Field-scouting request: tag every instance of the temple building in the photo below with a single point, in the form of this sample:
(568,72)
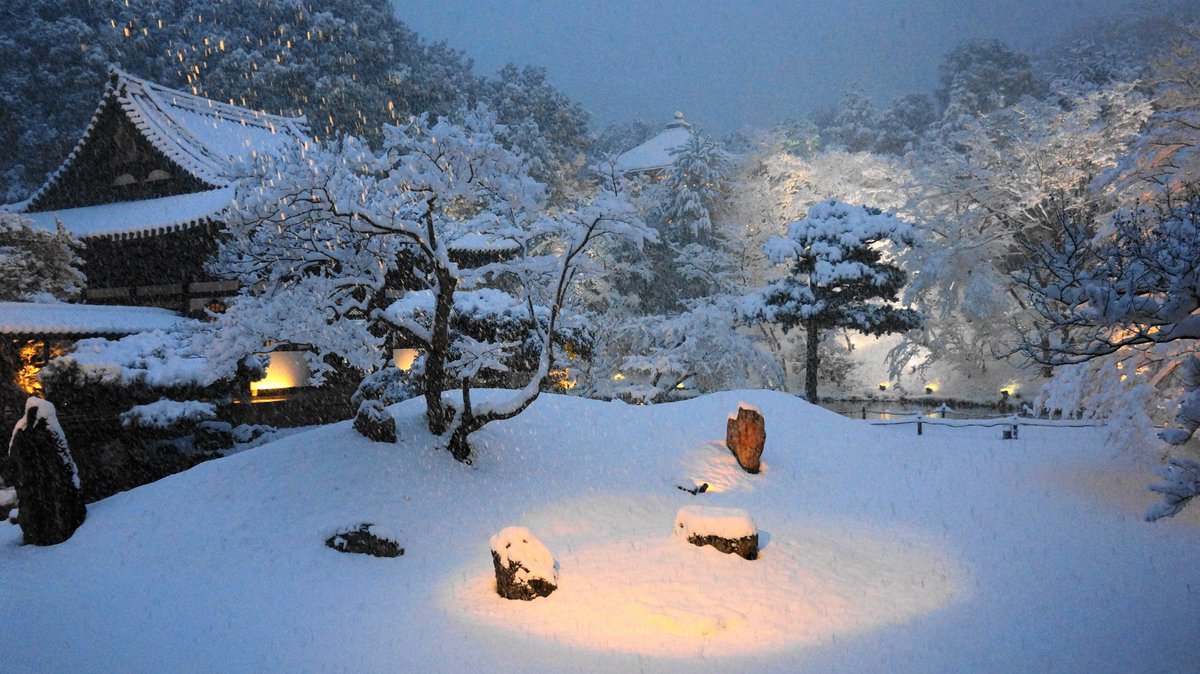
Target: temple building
(146,187)
(147,190)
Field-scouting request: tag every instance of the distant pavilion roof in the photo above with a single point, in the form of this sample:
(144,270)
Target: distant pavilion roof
(82,320)
(655,154)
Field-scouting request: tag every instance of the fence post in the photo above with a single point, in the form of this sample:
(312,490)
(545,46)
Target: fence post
(920,424)
(864,412)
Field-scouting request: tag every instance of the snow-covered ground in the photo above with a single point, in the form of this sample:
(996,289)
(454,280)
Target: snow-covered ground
(880,551)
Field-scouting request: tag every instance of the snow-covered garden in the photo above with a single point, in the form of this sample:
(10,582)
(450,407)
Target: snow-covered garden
(323,351)
(879,551)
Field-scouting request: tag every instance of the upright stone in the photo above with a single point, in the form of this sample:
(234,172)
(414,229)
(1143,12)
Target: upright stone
(745,435)
(525,569)
(40,467)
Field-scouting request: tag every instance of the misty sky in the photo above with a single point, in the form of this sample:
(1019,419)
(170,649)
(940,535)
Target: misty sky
(728,64)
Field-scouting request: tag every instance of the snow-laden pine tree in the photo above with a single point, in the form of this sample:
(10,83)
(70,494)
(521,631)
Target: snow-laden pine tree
(838,277)
(36,265)
(320,232)
(774,184)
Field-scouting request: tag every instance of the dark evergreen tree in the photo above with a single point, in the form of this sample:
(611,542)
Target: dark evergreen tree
(978,77)
(548,127)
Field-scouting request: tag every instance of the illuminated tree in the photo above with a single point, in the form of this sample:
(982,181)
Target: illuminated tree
(838,278)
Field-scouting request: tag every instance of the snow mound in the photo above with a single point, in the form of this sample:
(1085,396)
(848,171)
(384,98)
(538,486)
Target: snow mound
(165,413)
(880,551)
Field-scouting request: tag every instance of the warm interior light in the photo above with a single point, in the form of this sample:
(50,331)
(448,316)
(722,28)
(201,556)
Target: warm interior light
(618,376)
(1005,392)
(883,386)
(404,358)
(31,364)
(929,388)
(560,379)
(285,369)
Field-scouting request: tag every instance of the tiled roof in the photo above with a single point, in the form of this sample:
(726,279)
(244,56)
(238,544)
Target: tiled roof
(144,217)
(204,137)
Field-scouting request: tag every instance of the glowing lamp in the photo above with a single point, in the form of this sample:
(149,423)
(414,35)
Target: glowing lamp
(404,358)
(883,387)
(929,389)
(1005,392)
(285,369)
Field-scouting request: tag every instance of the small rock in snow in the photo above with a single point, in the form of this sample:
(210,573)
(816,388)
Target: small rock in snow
(525,569)
(729,530)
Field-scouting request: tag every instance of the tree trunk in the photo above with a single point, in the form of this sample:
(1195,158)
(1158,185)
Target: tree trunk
(436,412)
(812,361)
(1046,370)
(459,446)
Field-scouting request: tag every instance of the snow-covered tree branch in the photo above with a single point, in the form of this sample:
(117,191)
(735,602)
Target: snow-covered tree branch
(320,234)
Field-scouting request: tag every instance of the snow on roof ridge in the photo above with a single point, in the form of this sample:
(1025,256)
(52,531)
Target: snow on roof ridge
(131,217)
(183,99)
(150,106)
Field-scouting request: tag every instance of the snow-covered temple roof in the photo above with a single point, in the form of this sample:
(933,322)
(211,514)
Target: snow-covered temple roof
(655,154)
(144,216)
(29,318)
(204,137)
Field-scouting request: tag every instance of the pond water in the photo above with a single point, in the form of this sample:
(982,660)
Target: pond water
(892,409)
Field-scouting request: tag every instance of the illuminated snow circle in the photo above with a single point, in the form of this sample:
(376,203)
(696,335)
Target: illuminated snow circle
(626,584)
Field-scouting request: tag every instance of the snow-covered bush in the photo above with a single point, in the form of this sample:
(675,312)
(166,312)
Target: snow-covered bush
(390,385)
(168,415)
(373,421)
(145,396)
(36,265)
